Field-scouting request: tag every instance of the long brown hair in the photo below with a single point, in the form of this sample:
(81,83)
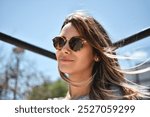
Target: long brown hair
(109,81)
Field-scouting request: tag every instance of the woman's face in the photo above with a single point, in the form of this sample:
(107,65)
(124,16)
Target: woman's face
(72,62)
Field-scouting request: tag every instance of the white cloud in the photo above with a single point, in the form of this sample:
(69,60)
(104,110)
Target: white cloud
(139,54)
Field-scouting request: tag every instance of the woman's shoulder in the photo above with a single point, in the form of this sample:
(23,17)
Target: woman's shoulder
(117,91)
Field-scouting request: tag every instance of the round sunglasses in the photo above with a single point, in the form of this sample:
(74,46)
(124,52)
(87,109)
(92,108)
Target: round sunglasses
(75,43)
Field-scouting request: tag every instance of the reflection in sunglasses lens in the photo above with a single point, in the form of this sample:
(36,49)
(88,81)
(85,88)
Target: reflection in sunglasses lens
(75,44)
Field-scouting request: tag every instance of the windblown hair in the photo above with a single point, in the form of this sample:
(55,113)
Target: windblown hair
(109,81)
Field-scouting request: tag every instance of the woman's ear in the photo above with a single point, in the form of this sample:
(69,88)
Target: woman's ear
(97,59)
(96,56)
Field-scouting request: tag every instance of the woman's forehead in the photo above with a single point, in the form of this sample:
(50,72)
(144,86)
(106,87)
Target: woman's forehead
(68,31)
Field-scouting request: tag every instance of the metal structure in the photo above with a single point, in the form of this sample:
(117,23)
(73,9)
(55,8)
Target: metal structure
(13,74)
(17,42)
(133,38)
(121,43)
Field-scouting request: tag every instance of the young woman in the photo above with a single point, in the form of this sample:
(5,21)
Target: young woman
(87,61)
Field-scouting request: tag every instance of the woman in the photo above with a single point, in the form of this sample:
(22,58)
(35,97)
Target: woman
(86,60)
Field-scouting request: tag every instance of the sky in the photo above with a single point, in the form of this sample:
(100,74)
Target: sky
(38,21)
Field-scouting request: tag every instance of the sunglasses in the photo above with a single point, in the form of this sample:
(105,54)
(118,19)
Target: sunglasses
(75,43)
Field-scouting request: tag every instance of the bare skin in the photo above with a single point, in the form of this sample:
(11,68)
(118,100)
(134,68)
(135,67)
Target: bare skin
(78,65)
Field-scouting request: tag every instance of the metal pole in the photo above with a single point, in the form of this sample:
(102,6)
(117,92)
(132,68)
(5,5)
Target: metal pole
(25,45)
(133,38)
(121,43)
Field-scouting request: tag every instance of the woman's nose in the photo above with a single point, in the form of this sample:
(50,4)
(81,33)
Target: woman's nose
(66,49)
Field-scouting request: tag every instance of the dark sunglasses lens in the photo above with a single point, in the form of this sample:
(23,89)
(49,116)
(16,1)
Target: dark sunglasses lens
(75,43)
(58,43)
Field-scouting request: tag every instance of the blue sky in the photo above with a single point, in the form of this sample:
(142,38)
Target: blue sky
(38,21)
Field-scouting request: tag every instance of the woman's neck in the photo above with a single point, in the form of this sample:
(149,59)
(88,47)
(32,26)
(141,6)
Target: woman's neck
(79,86)
(76,92)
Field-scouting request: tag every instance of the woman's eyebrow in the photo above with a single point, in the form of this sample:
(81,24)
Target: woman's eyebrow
(62,36)
(71,37)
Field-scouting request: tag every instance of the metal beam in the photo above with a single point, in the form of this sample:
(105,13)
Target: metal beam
(133,38)
(121,43)
(25,45)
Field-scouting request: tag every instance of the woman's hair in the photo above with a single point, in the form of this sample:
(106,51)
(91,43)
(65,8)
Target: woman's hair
(108,79)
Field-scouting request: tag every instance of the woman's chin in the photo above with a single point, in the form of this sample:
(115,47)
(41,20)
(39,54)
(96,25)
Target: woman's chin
(66,71)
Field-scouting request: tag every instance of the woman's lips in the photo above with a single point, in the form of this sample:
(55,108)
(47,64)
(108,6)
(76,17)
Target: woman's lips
(66,61)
